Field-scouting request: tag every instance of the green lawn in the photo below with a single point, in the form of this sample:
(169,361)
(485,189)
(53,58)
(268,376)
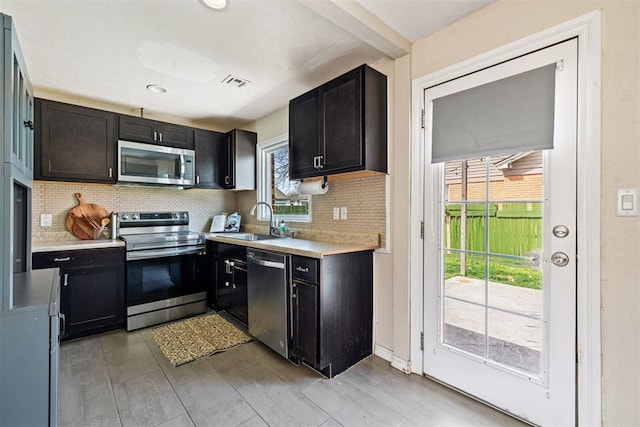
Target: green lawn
(503,271)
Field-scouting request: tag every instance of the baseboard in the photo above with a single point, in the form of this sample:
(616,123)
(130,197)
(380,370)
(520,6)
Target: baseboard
(396,362)
(383,352)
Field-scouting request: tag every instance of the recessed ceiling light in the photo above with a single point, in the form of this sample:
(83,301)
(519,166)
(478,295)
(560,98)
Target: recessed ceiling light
(215,4)
(156,89)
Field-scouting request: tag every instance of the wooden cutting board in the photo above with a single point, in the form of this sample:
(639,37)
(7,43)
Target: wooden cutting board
(85,220)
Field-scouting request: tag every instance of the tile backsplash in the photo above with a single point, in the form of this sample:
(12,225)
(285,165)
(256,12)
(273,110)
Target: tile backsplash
(363,197)
(58,198)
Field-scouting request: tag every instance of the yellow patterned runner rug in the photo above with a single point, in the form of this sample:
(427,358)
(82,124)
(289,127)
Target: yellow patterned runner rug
(197,337)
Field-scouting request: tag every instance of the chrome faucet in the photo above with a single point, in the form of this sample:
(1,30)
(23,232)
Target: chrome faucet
(253,212)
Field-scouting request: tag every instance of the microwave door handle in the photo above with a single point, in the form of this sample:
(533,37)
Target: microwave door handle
(182,166)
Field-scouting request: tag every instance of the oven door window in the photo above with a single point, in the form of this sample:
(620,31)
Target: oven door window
(158,279)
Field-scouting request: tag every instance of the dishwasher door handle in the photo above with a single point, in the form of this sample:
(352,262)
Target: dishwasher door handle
(266,263)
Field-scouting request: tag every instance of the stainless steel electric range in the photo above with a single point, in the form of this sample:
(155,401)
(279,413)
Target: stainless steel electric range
(165,267)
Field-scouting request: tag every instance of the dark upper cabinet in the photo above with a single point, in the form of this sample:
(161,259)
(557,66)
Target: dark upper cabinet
(73,143)
(340,127)
(148,131)
(237,160)
(208,145)
(92,288)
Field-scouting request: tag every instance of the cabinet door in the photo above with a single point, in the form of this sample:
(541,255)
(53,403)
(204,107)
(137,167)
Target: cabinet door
(207,146)
(342,145)
(92,298)
(239,308)
(22,122)
(224,281)
(305,322)
(137,129)
(304,136)
(74,143)
(172,135)
(227,174)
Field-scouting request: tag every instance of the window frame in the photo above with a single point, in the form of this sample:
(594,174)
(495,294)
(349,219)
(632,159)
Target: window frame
(263,187)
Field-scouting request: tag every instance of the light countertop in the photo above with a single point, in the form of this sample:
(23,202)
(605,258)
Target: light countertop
(68,245)
(308,248)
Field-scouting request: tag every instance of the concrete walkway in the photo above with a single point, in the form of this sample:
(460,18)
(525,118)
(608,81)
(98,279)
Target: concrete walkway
(514,320)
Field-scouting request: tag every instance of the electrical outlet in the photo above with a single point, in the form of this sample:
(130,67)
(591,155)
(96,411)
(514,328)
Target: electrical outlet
(46,220)
(343,212)
(336,213)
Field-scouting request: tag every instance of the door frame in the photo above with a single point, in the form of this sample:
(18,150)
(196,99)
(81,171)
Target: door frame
(587,29)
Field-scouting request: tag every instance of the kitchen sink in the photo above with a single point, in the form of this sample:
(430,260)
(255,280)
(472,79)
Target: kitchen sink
(250,237)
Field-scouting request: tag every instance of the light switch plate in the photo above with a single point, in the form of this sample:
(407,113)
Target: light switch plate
(627,201)
(46,220)
(343,212)
(336,213)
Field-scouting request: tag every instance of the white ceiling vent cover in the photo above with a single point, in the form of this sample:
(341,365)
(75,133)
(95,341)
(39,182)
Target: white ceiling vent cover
(236,81)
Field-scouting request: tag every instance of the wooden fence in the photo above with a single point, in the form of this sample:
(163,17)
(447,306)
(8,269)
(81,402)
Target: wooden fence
(514,229)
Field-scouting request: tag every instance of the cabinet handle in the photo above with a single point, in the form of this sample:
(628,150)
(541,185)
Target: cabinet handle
(234,286)
(155,136)
(226,180)
(160,136)
(303,270)
(110,172)
(66,279)
(197,179)
(315,162)
(320,165)
(68,258)
(28,124)
(63,328)
(226,284)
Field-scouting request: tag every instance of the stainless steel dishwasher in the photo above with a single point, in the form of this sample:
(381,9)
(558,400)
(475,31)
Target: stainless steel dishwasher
(267,299)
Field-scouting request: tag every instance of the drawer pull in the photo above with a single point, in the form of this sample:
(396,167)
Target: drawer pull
(68,258)
(302,269)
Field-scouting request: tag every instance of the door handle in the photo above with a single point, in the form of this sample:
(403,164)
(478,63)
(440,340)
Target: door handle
(560,259)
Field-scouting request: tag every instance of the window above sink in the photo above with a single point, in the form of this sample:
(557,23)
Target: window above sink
(274,185)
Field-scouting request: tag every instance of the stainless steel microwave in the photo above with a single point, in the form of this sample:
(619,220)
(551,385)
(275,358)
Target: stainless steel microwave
(155,165)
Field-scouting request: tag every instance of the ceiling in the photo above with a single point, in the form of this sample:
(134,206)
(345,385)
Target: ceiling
(110,50)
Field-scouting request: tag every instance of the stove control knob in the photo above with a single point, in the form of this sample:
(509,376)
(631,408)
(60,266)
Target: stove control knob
(124,217)
(135,216)
(174,215)
(183,215)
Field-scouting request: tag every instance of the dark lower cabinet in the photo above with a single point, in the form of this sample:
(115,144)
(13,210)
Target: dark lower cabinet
(229,285)
(92,288)
(332,307)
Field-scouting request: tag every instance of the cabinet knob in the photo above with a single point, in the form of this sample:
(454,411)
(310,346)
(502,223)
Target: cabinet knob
(226,284)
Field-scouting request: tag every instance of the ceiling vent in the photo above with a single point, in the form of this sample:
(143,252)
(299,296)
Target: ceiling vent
(235,81)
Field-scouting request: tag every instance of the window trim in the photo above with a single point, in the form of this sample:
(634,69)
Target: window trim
(263,193)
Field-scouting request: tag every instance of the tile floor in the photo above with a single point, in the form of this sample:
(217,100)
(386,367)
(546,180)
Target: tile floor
(122,379)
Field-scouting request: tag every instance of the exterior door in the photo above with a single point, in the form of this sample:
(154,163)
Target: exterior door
(500,269)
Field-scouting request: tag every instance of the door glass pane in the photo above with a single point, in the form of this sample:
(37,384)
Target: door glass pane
(473,227)
(492,304)
(464,326)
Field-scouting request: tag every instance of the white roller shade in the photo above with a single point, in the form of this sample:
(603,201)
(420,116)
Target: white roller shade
(510,115)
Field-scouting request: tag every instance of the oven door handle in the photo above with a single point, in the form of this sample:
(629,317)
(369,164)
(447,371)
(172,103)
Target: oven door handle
(160,253)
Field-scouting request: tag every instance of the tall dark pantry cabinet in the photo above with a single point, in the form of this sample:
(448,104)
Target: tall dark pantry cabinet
(29,300)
